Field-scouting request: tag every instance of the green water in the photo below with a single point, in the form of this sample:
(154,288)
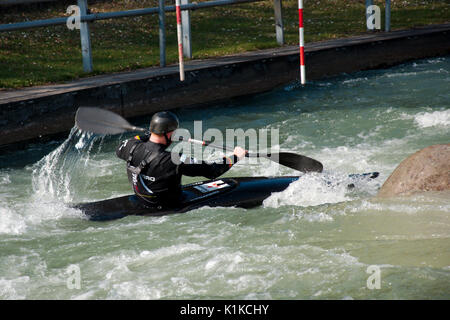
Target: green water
(312,241)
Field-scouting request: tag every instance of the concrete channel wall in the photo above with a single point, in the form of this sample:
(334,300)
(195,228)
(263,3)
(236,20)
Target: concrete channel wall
(36,112)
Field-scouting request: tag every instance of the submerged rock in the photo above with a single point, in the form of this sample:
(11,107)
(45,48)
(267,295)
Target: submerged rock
(425,170)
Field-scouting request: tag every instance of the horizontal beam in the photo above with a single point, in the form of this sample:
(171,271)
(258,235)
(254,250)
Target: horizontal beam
(118,14)
(16,2)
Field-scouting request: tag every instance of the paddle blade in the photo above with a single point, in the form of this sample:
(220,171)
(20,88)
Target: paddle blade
(102,121)
(299,162)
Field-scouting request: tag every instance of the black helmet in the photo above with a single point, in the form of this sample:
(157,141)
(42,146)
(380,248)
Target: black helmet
(163,122)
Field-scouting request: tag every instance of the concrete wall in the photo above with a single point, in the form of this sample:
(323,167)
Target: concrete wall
(36,112)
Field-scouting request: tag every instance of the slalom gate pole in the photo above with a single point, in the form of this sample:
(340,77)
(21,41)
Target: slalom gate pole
(301,42)
(180,39)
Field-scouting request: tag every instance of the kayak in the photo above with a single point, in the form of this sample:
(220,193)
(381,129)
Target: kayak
(242,192)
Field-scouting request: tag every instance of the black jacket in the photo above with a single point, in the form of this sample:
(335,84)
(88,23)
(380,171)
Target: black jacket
(158,180)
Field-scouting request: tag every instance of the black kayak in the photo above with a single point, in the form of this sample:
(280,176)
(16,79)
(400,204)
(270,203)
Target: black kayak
(243,192)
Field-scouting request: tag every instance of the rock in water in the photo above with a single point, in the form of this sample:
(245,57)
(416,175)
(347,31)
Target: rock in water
(425,170)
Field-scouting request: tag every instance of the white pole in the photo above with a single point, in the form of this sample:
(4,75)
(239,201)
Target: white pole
(180,39)
(301,42)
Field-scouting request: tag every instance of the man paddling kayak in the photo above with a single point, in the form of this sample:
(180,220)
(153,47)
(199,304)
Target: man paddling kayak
(154,176)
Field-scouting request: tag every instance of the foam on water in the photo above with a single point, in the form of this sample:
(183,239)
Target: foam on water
(34,215)
(228,272)
(10,289)
(11,222)
(419,73)
(433,119)
(5,179)
(309,190)
(415,204)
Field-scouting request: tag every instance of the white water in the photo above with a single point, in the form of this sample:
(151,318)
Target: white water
(315,240)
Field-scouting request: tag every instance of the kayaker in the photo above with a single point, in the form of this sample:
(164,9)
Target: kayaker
(155,178)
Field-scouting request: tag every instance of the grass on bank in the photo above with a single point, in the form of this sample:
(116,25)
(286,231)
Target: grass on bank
(53,54)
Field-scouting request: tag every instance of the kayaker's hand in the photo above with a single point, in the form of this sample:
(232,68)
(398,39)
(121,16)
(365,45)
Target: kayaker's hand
(239,152)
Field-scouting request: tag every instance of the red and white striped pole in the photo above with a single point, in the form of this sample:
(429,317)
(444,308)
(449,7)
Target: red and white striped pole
(180,39)
(302,42)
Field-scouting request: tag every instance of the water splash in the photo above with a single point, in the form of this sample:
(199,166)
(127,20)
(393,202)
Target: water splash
(55,179)
(56,175)
(309,190)
(314,189)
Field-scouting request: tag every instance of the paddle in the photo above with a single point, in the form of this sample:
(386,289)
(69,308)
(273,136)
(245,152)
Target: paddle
(287,159)
(103,121)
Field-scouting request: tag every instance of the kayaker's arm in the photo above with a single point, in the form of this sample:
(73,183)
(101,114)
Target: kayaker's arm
(193,168)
